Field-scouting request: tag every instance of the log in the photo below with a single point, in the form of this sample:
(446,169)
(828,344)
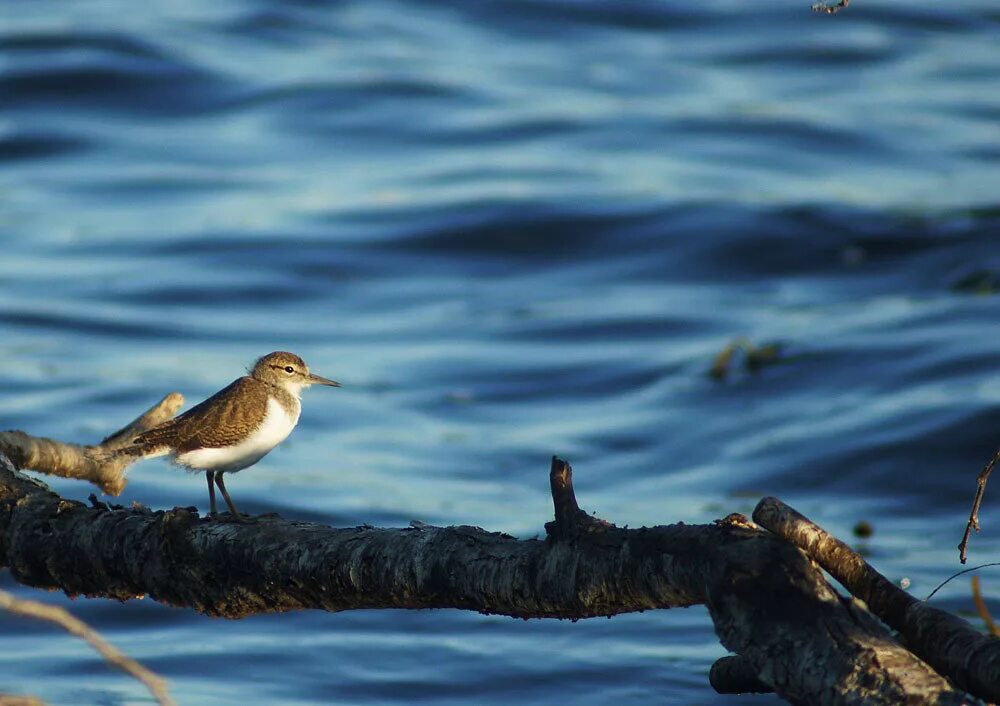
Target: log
(770,603)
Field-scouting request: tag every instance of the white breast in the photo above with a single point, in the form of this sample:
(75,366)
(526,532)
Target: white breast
(275,428)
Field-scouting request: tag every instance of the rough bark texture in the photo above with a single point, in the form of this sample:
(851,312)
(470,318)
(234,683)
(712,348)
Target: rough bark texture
(271,564)
(769,603)
(945,641)
(99,464)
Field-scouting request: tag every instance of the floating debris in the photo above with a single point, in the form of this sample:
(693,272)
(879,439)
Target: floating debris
(978,282)
(863,529)
(723,361)
(754,357)
(830,6)
(767,354)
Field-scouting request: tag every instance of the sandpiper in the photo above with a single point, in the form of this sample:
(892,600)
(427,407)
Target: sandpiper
(238,425)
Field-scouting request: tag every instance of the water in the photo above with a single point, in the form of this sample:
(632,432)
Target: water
(512,230)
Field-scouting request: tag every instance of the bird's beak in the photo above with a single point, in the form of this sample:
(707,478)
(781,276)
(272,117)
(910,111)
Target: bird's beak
(315,379)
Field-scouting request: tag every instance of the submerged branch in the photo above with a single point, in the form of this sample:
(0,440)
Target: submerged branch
(99,464)
(984,612)
(54,614)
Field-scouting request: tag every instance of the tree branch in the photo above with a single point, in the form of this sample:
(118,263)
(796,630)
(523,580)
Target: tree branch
(769,603)
(949,644)
(99,464)
(54,614)
(977,502)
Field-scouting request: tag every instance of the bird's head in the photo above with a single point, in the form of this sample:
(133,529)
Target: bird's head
(289,371)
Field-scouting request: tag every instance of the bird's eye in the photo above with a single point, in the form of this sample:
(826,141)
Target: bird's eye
(289,369)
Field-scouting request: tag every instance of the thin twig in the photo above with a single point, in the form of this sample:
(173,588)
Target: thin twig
(157,685)
(956,575)
(984,612)
(974,515)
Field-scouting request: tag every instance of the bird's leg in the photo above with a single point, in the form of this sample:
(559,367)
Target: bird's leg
(225,494)
(211,492)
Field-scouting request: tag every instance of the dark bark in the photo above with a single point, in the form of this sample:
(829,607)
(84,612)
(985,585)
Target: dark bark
(769,603)
(945,641)
(271,564)
(735,675)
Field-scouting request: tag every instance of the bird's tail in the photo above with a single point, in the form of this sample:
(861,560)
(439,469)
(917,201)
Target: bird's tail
(149,444)
(143,450)
(128,454)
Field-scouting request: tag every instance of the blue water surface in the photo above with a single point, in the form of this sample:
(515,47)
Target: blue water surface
(511,229)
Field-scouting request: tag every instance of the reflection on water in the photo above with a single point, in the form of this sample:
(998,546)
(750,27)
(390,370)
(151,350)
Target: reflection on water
(511,230)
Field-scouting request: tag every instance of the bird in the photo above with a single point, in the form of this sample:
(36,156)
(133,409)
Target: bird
(237,426)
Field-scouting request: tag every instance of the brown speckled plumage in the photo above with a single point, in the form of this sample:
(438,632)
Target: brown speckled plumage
(237,426)
(224,419)
(231,414)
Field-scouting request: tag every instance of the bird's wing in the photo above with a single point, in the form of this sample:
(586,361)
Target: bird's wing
(223,419)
